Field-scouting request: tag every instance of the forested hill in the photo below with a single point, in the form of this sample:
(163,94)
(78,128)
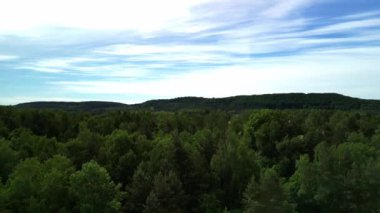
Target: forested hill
(268,101)
(75,106)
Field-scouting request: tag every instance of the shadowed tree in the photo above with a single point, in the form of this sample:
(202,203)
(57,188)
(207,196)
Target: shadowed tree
(166,195)
(267,195)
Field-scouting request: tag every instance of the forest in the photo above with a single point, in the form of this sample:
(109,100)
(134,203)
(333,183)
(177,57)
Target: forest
(195,160)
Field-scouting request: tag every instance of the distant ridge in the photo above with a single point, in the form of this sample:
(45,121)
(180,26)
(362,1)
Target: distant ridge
(74,106)
(235,103)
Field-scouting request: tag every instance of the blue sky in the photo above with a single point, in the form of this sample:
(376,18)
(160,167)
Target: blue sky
(131,51)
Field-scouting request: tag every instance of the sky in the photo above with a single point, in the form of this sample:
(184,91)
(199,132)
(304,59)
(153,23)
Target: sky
(131,51)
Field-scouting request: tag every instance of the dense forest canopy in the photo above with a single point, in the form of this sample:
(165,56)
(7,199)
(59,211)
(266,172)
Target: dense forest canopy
(303,160)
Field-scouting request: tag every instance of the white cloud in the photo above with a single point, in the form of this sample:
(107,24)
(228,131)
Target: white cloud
(58,65)
(8,57)
(162,34)
(12,100)
(281,8)
(344,74)
(217,53)
(363,53)
(35,18)
(361,15)
(41,69)
(112,70)
(133,49)
(82,66)
(142,15)
(66,62)
(346,26)
(269,36)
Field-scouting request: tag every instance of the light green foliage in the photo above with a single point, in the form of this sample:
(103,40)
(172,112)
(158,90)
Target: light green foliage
(93,189)
(40,187)
(54,191)
(343,178)
(23,186)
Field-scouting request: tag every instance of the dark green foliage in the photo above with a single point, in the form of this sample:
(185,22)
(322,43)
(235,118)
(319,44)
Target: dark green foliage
(233,165)
(8,159)
(84,147)
(139,189)
(166,195)
(270,101)
(85,106)
(209,203)
(266,194)
(4,131)
(196,160)
(30,145)
(120,154)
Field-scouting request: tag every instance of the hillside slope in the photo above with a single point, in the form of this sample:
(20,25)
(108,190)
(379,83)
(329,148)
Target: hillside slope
(74,106)
(269,101)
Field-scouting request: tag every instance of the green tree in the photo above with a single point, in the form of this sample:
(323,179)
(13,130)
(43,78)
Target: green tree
(23,186)
(341,125)
(139,189)
(93,189)
(40,187)
(54,190)
(343,178)
(29,145)
(267,194)
(8,159)
(85,147)
(4,131)
(3,199)
(118,157)
(265,128)
(167,194)
(209,203)
(233,165)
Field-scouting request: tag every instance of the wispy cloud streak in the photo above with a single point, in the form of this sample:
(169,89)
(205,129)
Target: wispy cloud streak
(255,46)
